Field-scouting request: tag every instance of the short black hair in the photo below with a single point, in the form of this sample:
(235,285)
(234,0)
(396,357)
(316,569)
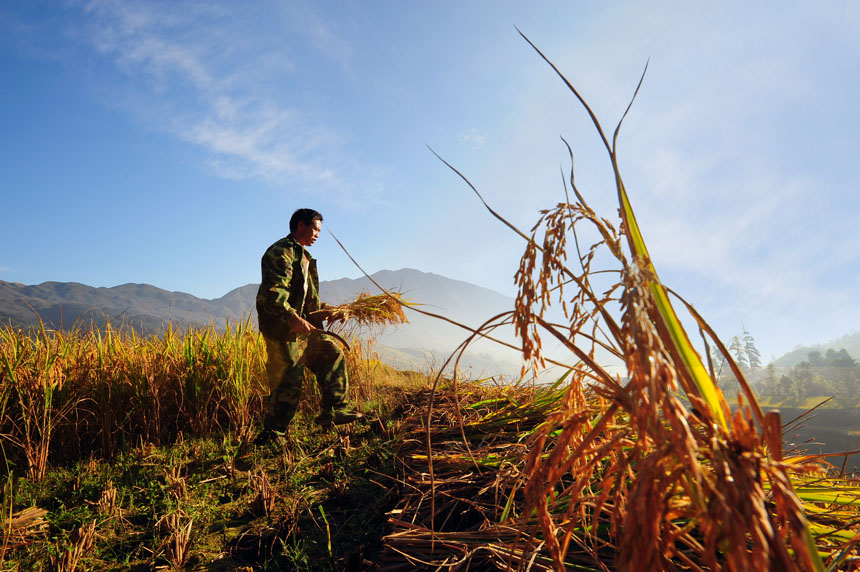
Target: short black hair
(307,216)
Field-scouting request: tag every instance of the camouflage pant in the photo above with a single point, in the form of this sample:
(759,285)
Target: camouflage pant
(285,371)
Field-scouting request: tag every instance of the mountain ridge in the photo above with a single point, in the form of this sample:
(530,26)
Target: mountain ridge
(147,309)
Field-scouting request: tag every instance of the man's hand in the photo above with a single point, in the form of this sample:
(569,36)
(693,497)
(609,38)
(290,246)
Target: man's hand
(299,325)
(319,316)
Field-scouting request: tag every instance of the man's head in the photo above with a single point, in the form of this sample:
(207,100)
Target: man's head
(305,226)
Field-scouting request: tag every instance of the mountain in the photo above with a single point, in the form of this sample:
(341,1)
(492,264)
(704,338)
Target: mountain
(423,343)
(461,301)
(63,305)
(427,342)
(848,342)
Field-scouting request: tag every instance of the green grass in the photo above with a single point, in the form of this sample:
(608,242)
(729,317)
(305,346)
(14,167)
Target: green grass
(809,402)
(345,475)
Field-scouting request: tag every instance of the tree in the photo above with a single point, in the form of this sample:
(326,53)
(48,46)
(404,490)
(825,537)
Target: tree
(802,374)
(815,358)
(752,353)
(842,370)
(839,359)
(786,387)
(739,352)
(769,384)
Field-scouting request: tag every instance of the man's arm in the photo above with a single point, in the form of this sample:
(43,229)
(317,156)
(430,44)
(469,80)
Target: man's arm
(278,270)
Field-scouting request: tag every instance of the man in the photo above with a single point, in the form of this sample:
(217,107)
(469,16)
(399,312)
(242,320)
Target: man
(287,298)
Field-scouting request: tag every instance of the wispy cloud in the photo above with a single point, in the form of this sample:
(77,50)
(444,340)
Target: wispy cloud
(309,23)
(472,137)
(198,73)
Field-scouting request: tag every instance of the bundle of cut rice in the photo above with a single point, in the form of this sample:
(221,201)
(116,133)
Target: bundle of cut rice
(365,310)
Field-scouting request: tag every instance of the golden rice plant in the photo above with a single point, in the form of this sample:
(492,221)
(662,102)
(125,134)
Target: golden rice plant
(33,400)
(65,395)
(679,484)
(235,358)
(655,468)
(364,311)
(243,353)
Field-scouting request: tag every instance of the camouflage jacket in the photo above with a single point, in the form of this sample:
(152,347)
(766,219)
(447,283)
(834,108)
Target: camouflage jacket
(288,287)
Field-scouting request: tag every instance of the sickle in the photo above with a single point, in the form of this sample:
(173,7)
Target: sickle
(335,336)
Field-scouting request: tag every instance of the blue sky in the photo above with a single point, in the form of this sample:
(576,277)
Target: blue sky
(168,143)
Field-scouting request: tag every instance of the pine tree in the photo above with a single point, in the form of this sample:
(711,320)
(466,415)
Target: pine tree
(752,353)
(739,352)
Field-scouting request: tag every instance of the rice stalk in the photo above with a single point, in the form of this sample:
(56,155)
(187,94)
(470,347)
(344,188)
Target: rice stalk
(177,486)
(81,544)
(7,506)
(364,311)
(107,500)
(688,484)
(474,521)
(176,544)
(239,357)
(656,466)
(264,501)
(65,395)
(31,373)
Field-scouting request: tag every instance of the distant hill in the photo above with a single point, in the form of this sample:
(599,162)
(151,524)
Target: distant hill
(63,305)
(848,342)
(427,342)
(455,299)
(421,344)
